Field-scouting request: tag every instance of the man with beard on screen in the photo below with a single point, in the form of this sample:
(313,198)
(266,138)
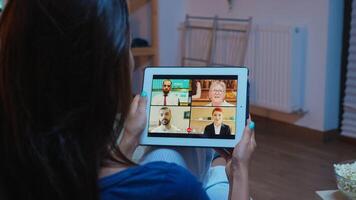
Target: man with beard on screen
(165,117)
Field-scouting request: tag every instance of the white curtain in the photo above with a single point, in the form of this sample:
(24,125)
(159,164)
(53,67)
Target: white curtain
(348,126)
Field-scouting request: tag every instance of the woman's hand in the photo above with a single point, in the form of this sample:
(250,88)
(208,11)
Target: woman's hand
(243,150)
(134,125)
(240,156)
(238,163)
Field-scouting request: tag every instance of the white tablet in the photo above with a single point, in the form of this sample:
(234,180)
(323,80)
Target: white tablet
(195,106)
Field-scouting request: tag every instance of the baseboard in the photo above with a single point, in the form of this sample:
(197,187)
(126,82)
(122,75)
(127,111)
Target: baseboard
(302,132)
(331,135)
(275,115)
(336,135)
(348,140)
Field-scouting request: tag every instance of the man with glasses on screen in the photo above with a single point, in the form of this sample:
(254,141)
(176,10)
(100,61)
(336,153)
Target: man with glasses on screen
(217,93)
(166,98)
(164,124)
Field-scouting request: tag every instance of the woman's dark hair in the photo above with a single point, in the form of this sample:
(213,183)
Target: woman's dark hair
(64,74)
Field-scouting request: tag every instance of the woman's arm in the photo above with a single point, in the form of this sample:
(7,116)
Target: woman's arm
(237,167)
(239,188)
(134,126)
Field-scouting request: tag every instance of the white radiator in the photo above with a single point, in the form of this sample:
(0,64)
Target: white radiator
(276,59)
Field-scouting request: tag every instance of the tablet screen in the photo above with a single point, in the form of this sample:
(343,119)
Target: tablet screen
(193,106)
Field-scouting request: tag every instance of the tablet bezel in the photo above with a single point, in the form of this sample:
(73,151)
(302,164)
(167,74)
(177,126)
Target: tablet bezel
(242,74)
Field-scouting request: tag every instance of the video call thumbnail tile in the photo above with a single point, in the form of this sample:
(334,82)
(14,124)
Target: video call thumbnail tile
(170,92)
(203,120)
(214,92)
(169,119)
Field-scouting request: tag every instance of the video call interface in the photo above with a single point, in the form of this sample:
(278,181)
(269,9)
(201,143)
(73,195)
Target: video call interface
(193,106)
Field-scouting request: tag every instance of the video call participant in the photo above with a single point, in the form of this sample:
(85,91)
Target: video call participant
(217,128)
(217,93)
(166,98)
(165,117)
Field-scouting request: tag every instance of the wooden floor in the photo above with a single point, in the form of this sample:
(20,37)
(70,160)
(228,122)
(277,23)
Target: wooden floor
(291,163)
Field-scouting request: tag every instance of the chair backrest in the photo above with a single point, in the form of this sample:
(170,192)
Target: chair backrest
(209,41)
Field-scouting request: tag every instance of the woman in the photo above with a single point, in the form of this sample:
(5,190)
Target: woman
(64,74)
(217,128)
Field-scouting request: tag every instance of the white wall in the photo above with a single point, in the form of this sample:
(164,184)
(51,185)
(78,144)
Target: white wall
(171,13)
(140,21)
(323,48)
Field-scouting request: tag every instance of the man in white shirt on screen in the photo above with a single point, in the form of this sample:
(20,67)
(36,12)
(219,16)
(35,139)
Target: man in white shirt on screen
(166,98)
(165,126)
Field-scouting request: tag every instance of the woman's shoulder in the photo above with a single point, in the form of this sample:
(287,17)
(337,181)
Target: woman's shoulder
(150,181)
